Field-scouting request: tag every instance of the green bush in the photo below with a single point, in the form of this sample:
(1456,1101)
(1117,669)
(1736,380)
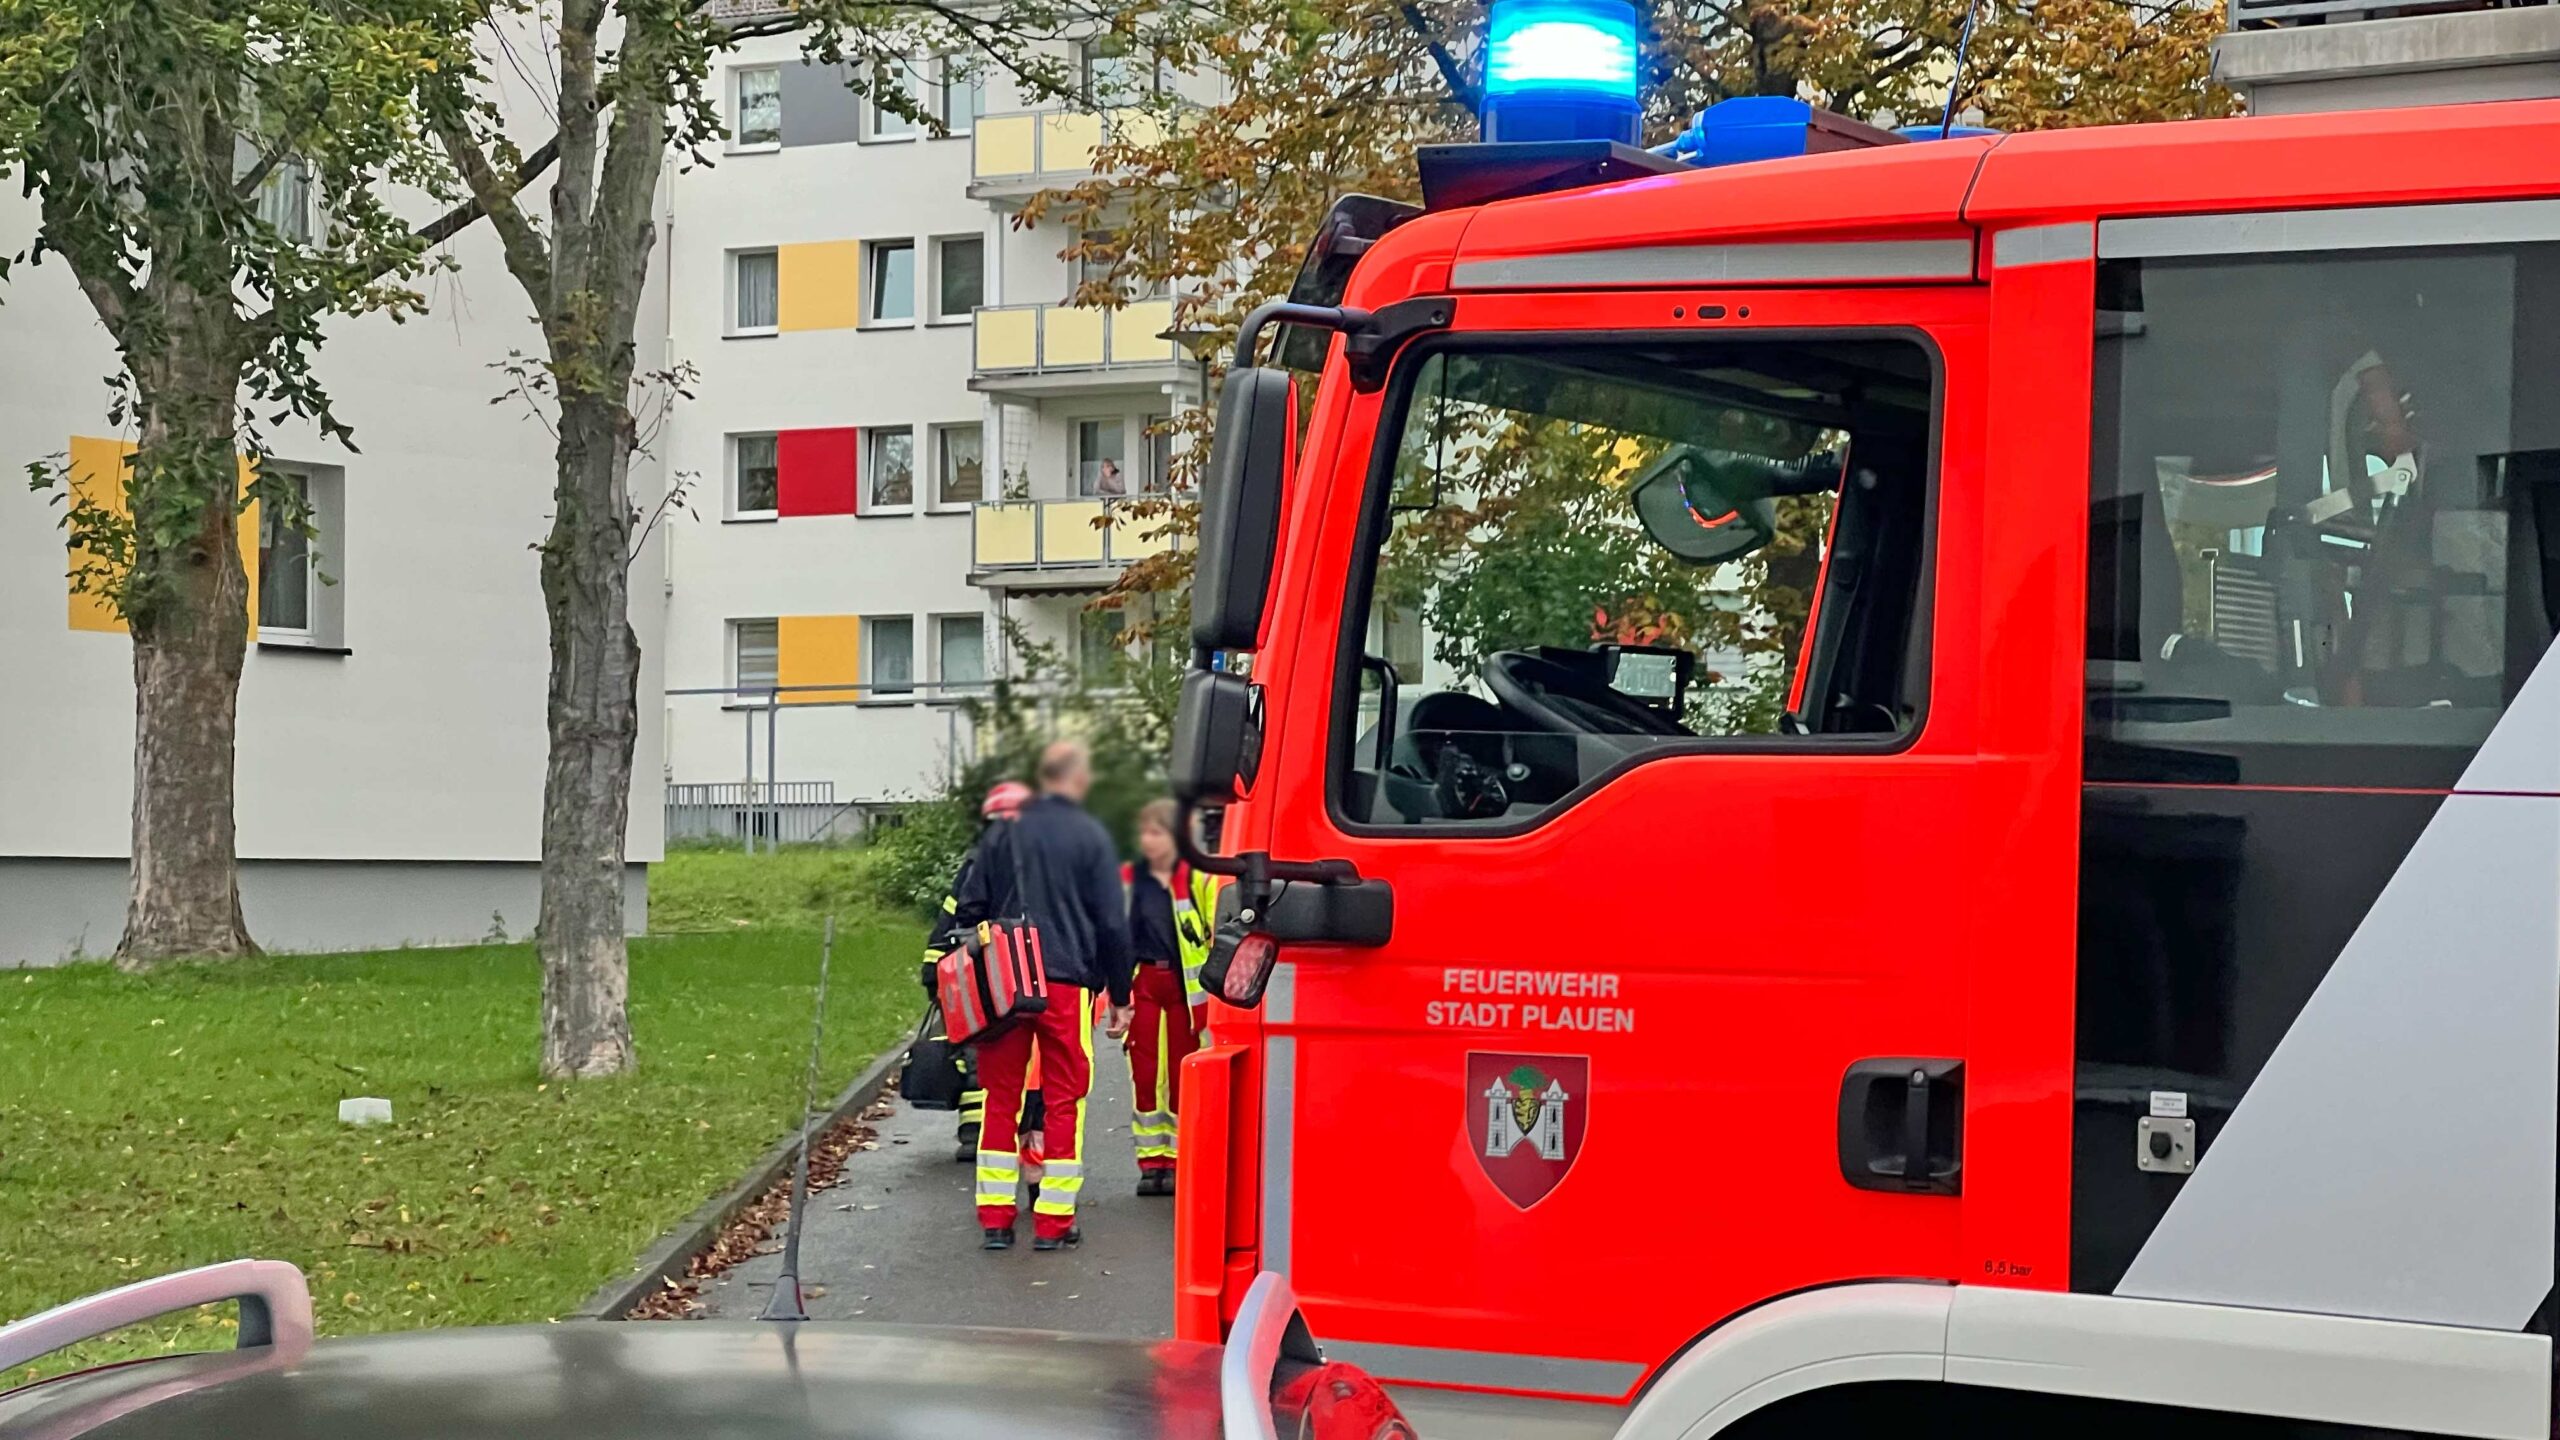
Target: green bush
(911,862)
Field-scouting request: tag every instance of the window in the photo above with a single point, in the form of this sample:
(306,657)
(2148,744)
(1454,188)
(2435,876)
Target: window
(1616,549)
(959,92)
(893,470)
(897,80)
(890,282)
(959,276)
(301,529)
(1114,73)
(1102,646)
(1101,252)
(287,576)
(755,470)
(1101,451)
(2325,513)
(1157,479)
(888,656)
(960,652)
(284,199)
(755,291)
(759,108)
(755,660)
(959,465)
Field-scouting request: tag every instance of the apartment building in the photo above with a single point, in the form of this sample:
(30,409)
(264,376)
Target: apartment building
(904,440)
(391,733)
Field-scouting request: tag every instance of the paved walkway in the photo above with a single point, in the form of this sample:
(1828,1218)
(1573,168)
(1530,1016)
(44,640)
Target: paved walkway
(898,1241)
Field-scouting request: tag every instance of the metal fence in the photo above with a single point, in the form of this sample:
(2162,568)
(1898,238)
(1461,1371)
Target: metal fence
(787,812)
(761,809)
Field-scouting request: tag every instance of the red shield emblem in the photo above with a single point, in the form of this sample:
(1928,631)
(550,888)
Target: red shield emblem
(1526,1115)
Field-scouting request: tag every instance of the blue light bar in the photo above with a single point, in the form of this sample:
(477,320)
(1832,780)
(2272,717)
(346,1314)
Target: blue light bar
(1561,70)
(1585,47)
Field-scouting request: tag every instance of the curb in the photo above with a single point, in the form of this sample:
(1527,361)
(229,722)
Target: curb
(667,1259)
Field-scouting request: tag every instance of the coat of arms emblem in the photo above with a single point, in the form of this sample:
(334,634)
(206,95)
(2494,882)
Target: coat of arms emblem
(1525,1120)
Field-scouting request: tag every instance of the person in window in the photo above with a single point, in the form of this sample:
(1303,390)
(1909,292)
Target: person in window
(1170,910)
(1111,482)
(1056,869)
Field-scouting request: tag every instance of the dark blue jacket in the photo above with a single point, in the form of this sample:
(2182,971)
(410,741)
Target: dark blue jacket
(1054,866)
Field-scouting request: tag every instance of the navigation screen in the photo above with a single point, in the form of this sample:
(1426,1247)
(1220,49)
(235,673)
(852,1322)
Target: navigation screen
(1646,676)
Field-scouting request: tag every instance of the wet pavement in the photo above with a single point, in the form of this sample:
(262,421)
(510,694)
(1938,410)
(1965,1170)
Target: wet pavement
(897,1240)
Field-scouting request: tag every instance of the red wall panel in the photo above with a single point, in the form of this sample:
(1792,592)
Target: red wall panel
(818,471)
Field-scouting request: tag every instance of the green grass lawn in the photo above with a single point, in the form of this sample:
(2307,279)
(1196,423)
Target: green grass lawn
(727,889)
(152,1123)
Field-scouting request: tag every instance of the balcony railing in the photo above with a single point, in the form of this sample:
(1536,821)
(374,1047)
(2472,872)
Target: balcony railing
(1044,339)
(1063,535)
(1051,144)
(2246,14)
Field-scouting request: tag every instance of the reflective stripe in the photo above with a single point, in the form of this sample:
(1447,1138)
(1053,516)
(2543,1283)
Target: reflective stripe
(1066,1169)
(2367,227)
(2044,245)
(999,1163)
(1725,265)
(1279,1114)
(1595,1379)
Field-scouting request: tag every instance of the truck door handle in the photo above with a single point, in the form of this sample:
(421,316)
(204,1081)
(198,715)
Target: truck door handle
(1902,1126)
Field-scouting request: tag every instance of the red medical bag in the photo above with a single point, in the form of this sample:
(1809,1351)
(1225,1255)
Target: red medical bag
(991,981)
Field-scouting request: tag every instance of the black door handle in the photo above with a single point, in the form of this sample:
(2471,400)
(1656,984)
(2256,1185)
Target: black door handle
(1902,1126)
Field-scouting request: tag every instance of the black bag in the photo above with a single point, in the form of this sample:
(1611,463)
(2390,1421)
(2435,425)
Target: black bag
(931,1078)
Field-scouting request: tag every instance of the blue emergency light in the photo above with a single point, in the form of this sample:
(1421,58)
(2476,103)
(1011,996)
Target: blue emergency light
(1561,70)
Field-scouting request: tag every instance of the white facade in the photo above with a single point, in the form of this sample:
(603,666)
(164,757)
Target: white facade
(805,325)
(391,758)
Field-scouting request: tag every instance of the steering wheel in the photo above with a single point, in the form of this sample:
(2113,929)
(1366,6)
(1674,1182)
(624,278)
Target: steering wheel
(1557,698)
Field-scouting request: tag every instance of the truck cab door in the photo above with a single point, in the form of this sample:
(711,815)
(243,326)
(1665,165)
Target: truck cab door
(1632,639)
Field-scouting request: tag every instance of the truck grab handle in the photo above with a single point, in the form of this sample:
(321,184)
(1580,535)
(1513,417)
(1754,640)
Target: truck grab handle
(275,1309)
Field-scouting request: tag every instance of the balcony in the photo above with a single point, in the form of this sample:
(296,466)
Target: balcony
(2289,57)
(1053,349)
(1031,545)
(1017,155)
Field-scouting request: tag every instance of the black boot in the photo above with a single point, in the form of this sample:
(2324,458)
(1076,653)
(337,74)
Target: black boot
(1052,1242)
(965,1146)
(998,1237)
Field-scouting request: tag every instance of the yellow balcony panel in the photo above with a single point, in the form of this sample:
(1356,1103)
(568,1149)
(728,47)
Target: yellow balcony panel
(1001,146)
(1136,537)
(1009,339)
(1071,338)
(1070,535)
(1133,126)
(1068,140)
(1008,534)
(1136,333)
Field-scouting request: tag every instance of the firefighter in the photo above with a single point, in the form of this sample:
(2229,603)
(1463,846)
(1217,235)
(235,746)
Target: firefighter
(1171,907)
(1003,801)
(1055,869)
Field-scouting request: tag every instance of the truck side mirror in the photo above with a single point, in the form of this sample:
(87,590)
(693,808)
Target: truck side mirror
(1240,508)
(1217,738)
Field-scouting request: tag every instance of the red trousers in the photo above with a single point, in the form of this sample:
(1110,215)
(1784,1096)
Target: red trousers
(1159,1037)
(1062,1037)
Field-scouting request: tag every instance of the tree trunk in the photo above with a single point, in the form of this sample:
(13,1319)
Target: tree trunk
(188,608)
(595,724)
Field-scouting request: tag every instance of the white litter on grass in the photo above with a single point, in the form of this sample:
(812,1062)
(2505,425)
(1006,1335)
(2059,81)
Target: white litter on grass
(364,1110)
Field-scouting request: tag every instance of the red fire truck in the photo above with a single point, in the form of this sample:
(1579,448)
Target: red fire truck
(1902,787)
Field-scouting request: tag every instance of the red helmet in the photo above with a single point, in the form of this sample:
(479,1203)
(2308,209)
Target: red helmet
(1004,798)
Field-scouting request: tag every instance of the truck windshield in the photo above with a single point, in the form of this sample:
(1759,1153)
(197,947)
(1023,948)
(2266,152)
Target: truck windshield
(1588,553)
